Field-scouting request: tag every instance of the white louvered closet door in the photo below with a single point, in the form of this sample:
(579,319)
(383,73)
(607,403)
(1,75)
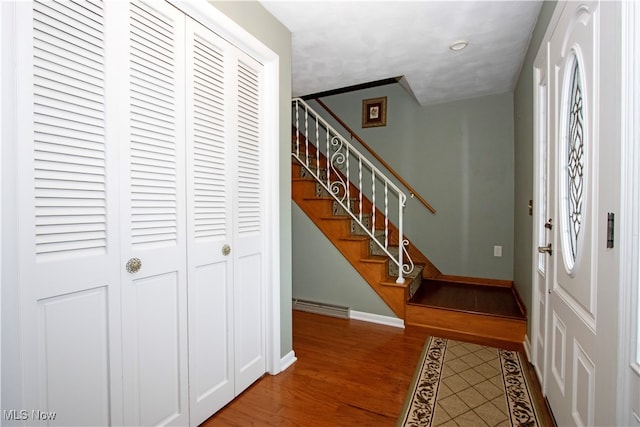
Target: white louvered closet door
(209,204)
(153,220)
(226,230)
(68,216)
(141,211)
(249,229)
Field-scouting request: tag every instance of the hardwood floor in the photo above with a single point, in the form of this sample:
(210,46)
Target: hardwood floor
(348,373)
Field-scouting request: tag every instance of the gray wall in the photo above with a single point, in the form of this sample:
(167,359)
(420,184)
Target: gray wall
(322,274)
(459,157)
(523,109)
(261,24)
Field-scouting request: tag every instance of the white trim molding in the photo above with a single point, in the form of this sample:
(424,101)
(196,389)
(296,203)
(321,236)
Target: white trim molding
(376,318)
(286,361)
(629,240)
(527,347)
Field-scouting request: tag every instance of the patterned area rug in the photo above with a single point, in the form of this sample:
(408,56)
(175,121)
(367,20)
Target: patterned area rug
(464,384)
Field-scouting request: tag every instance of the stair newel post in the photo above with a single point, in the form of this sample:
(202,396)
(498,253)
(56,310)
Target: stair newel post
(401,201)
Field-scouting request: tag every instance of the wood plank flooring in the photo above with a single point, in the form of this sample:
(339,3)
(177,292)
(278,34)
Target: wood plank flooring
(348,373)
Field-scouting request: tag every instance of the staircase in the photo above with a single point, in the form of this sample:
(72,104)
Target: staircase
(481,310)
(356,245)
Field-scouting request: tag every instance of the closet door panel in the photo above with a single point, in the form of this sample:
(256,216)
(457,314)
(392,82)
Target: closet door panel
(67,213)
(209,219)
(153,223)
(249,225)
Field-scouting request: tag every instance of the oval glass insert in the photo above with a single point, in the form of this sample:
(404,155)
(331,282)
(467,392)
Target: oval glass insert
(573,164)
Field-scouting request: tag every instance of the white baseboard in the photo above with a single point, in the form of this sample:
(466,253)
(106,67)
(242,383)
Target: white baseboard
(376,318)
(527,347)
(288,360)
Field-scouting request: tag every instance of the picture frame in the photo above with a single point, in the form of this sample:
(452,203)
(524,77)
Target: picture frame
(374,112)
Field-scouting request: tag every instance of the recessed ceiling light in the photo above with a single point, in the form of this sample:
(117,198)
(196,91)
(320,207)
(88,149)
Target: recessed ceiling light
(459,45)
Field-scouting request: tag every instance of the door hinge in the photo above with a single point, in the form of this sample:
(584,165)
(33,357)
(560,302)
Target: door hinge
(610,229)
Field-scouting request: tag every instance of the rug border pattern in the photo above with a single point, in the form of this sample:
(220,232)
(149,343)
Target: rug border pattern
(422,403)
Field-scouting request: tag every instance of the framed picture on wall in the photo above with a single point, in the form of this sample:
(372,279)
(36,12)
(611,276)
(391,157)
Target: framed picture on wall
(374,112)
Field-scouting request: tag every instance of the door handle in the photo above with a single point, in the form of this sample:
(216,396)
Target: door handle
(226,250)
(133,265)
(545,249)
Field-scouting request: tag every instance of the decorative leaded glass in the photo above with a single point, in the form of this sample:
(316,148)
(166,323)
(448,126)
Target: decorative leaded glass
(575,159)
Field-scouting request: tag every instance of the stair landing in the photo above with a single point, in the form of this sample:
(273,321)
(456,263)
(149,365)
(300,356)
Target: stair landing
(471,312)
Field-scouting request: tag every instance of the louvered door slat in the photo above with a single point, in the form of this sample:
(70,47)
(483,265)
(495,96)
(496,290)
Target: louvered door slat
(249,195)
(209,150)
(68,118)
(153,133)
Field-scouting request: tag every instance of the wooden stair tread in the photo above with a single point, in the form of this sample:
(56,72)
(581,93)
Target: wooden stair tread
(336,218)
(318,199)
(375,259)
(356,238)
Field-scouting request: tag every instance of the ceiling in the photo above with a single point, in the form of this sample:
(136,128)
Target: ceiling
(337,44)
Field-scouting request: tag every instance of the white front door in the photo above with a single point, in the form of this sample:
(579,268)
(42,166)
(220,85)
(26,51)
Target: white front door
(581,337)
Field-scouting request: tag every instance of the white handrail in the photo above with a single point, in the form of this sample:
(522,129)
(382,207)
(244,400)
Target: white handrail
(338,152)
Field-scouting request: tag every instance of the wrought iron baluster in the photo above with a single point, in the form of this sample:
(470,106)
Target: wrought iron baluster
(348,180)
(360,189)
(373,202)
(306,135)
(316,144)
(297,129)
(386,215)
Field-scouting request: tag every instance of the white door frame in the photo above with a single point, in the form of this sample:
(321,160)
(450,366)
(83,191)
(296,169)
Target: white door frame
(629,219)
(539,299)
(539,76)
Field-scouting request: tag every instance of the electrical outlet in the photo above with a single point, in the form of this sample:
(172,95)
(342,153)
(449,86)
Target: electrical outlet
(497,251)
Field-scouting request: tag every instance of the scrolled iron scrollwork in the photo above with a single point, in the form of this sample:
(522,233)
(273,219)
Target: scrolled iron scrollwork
(337,185)
(407,268)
